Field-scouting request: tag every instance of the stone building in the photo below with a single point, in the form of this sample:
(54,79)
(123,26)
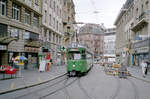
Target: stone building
(109,45)
(92,36)
(68,24)
(133,31)
(68,21)
(20,22)
(52,27)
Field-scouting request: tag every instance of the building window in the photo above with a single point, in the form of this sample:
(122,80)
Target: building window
(50,16)
(57,10)
(36,20)
(46,1)
(14,32)
(56,39)
(45,32)
(30,35)
(59,40)
(54,6)
(34,36)
(3,7)
(49,36)
(37,2)
(27,16)
(53,38)
(45,16)
(54,22)
(57,25)
(3,30)
(147,4)
(50,3)
(60,12)
(16,12)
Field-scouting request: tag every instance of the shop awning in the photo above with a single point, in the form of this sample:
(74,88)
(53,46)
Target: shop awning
(7,40)
(33,44)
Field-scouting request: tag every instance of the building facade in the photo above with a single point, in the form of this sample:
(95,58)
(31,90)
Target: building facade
(68,24)
(20,22)
(68,21)
(92,36)
(109,45)
(52,28)
(133,30)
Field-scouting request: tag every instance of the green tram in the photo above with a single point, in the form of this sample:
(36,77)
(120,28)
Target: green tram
(79,60)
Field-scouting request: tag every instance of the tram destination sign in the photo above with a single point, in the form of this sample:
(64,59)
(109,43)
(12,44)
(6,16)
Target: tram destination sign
(76,45)
(74,49)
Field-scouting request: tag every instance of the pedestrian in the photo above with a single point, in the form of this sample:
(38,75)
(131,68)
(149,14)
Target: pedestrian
(144,66)
(147,62)
(122,71)
(26,64)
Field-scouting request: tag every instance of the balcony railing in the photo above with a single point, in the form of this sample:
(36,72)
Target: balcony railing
(142,16)
(140,22)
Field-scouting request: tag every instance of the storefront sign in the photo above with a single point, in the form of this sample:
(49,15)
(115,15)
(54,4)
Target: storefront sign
(3,47)
(31,49)
(140,44)
(142,50)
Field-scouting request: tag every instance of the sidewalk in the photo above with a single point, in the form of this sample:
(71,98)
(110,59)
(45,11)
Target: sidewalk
(136,72)
(31,77)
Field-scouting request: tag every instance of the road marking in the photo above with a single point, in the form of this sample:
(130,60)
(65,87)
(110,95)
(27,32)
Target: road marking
(39,79)
(11,85)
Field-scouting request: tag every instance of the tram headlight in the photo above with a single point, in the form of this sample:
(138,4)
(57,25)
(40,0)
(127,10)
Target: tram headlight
(74,65)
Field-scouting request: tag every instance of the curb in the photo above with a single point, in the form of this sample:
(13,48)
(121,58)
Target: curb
(140,79)
(30,85)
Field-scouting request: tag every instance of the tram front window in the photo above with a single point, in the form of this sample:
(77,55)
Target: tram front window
(74,56)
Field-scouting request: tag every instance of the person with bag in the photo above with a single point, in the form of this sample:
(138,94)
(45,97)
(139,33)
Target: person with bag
(144,66)
(147,62)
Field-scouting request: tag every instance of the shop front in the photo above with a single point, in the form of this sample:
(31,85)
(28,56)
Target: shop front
(31,53)
(140,51)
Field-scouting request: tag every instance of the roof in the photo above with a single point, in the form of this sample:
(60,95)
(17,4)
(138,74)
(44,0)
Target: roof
(126,6)
(91,28)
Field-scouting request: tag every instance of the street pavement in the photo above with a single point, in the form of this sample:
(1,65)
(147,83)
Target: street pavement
(136,72)
(30,77)
(95,85)
(98,85)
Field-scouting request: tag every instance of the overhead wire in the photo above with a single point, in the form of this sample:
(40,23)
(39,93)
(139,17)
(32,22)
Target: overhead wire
(95,9)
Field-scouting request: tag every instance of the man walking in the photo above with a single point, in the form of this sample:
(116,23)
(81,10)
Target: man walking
(144,66)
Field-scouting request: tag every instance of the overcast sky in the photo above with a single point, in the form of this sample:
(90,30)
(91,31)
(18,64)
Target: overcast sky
(108,11)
